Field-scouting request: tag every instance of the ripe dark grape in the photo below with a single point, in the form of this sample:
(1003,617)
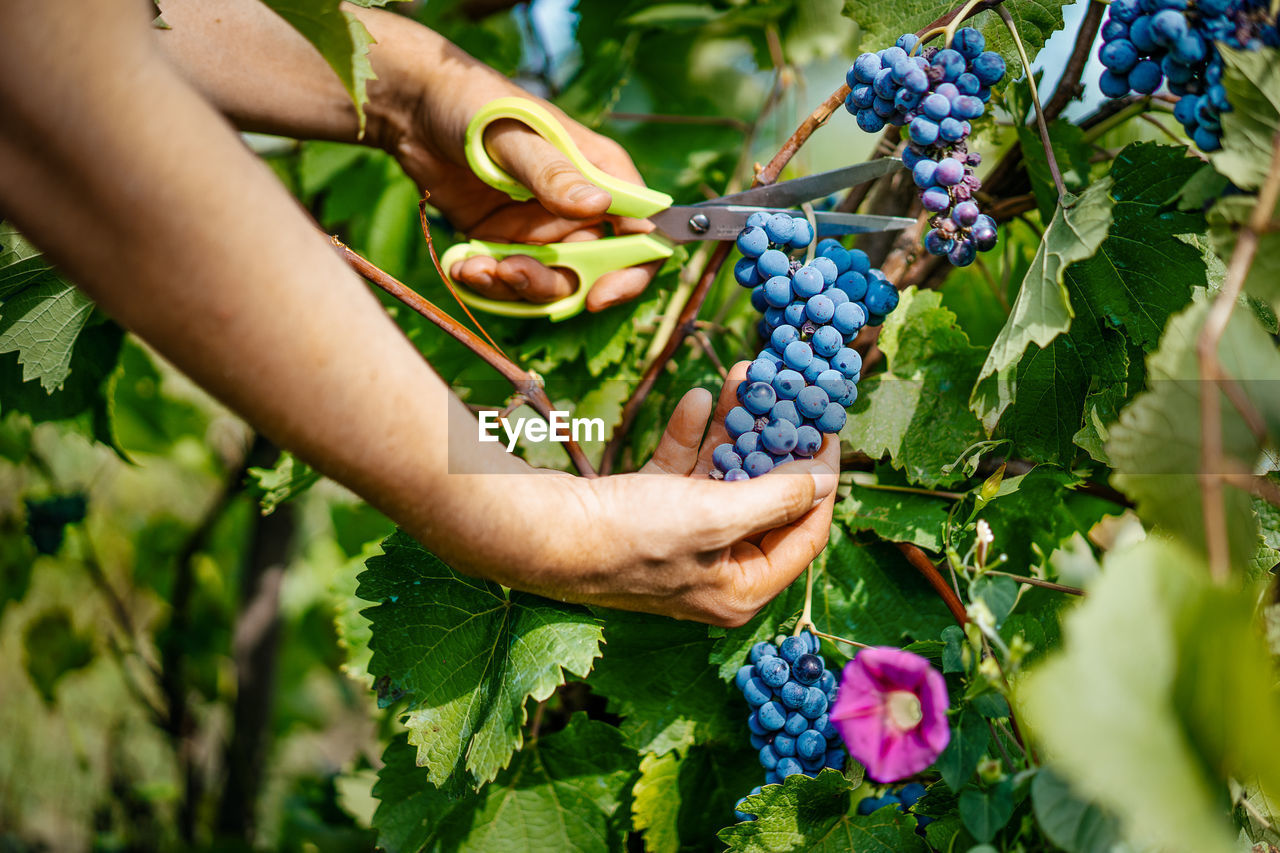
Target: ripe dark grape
(934,95)
(787,739)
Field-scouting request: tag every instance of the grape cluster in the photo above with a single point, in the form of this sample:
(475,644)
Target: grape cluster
(789,690)
(804,379)
(934,95)
(1146,42)
(904,798)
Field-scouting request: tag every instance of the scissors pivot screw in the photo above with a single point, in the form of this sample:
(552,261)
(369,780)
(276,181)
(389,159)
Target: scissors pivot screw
(699,223)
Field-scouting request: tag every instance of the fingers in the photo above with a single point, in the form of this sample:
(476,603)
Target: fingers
(677,451)
(549,174)
(621,285)
(514,277)
(780,497)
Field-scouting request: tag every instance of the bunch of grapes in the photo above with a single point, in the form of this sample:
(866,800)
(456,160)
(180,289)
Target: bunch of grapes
(789,690)
(934,95)
(1146,42)
(804,379)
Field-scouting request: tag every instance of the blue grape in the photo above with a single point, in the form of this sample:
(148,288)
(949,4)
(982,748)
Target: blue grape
(789,767)
(777,290)
(811,745)
(853,283)
(812,402)
(779,436)
(725,458)
(849,317)
(832,419)
(774,671)
(744,272)
(791,648)
(1120,56)
(826,341)
(793,314)
(831,381)
(762,650)
(783,335)
(808,669)
(969,42)
(988,67)
(787,384)
(758,301)
(757,465)
(803,235)
(797,355)
(847,361)
(780,228)
(786,410)
(793,694)
(744,674)
(752,242)
(807,282)
(808,441)
(820,308)
(814,705)
(748,442)
(923,130)
(827,268)
(759,398)
(815,369)
(735,475)
(757,693)
(882,298)
(773,262)
(738,421)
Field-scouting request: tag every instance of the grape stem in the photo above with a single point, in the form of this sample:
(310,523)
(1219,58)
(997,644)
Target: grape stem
(949,31)
(833,638)
(1035,100)
(524,382)
(1058,587)
(806,615)
(1212,458)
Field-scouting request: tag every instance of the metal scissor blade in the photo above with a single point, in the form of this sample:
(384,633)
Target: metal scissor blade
(797,190)
(685,223)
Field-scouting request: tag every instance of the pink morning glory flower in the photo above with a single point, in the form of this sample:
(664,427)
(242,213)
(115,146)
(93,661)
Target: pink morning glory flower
(891,712)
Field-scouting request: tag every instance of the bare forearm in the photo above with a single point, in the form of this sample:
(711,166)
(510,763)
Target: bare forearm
(210,261)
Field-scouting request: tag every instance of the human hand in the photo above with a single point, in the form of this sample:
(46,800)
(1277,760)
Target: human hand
(566,208)
(668,539)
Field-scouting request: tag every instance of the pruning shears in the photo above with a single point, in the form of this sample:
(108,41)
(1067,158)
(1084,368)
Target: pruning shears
(718,219)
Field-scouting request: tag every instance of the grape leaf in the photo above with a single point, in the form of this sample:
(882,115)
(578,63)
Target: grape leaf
(870,593)
(1252,81)
(916,412)
(560,793)
(1143,273)
(1075,825)
(466,654)
(339,37)
(657,677)
(1186,688)
(41,315)
(895,516)
(733,645)
(287,479)
(986,811)
(1042,309)
(1155,446)
(682,798)
(969,739)
(1225,218)
(817,816)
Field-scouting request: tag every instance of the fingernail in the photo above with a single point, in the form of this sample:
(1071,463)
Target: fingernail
(824,480)
(518,282)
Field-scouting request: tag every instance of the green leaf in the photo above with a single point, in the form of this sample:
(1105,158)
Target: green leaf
(657,677)
(986,811)
(1185,693)
(339,37)
(52,649)
(998,593)
(1043,310)
(146,415)
(916,412)
(969,738)
(818,816)
(289,478)
(466,654)
(1075,825)
(685,798)
(47,519)
(560,793)
(1226,216)
(1156,444)
(42,313)
(895,516)
(1252,81)
(872,594)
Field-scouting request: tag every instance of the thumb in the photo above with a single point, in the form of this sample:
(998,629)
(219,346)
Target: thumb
(547,172)
(764,503)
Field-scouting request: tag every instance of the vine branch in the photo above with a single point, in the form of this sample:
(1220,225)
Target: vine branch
(920,560)
(1212,456)
(1069,88)
(525,383)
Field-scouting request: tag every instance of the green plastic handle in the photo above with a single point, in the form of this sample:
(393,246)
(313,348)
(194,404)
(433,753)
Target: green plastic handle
(590,259)
(628,199)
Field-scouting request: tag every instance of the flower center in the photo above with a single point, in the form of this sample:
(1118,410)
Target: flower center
(903,709)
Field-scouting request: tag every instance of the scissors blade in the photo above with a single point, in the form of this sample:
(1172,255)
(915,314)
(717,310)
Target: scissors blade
(686,223)
(797,190)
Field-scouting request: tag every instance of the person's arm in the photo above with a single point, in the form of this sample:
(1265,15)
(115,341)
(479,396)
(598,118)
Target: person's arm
(143,194)
(265,76)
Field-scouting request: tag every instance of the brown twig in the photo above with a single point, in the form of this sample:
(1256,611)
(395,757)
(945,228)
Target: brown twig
(524,383)
(1069,87)
(704,343)
(1212,457)
(920,560)
(1259,487)
(1057,587)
